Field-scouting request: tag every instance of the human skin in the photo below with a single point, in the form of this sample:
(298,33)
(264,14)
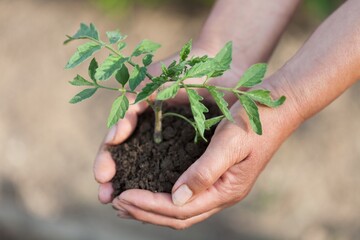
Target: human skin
(319,72)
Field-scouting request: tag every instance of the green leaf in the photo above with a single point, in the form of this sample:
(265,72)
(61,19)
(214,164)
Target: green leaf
(164,69)
(92,69)
(252,111)
(84,94)
(213,121)
(84,32)
(149,89)
(200,69)
(118,110)
(83,52)
(185,51)
(122,76)
(147,60)
(137,75)
(264,97)
(176,69)
(114,36)
(145,47)
(109,67)
(121,45)
(80,81)
(220,101)
(198,109)
(169,92)
(253,76)
(222,60)
(172,64)
(195,60)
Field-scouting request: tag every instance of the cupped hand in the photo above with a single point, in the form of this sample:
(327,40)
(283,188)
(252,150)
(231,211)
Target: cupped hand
(221,177)
(104,166)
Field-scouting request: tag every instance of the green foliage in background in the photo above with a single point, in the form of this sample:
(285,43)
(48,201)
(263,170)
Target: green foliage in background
(321,8)
(316,8)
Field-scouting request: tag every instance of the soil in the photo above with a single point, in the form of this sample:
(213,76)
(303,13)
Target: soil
(143,164)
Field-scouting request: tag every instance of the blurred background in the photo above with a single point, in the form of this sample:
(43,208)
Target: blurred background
(310,190)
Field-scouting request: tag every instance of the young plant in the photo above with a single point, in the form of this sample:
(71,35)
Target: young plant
(168,83)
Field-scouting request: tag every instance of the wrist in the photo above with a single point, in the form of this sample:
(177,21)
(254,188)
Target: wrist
(290,113)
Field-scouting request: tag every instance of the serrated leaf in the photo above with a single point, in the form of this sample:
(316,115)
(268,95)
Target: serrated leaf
(169,92)
(84,94)
(213,121)
(252,76)
(224,56)
(80,81)
(122,76)
(220,101)
(198,109)
(149,89)
(147,60)
(200,69)
(264,97)
(145,47)
(92,69)
(137,75)
(121,45)
(185,51)
(253,113)
(83,52)
(111,64)
(84,32)
(118,110)
(114,37)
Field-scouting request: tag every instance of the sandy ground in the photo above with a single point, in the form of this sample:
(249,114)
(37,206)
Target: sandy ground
(308,191)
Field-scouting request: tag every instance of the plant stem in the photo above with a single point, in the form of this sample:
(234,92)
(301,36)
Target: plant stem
(114,89)
(158,121)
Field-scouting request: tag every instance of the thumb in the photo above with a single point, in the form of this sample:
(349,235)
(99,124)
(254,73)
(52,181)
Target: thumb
(219,156)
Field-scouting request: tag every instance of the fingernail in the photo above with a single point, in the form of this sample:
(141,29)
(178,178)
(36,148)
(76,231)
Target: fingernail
(111,134)
(181,195)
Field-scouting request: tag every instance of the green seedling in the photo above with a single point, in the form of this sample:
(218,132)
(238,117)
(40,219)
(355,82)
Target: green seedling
(130,75)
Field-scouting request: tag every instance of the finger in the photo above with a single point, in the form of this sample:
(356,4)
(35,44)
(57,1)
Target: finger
(161,203)
(104,165)
(225,149)
(105,193)
(153,218)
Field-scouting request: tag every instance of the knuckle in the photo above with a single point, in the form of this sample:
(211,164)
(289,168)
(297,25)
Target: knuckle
(202,177)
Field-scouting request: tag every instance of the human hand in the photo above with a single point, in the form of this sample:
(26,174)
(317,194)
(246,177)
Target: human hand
(104,168)
(221,177)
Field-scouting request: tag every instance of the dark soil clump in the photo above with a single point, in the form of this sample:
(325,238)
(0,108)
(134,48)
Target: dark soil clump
(143,164)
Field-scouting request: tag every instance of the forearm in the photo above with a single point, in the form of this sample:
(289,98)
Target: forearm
(327,64)
(253,26)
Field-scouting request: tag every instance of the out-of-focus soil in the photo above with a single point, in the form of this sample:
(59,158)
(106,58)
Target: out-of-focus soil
(308,191)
